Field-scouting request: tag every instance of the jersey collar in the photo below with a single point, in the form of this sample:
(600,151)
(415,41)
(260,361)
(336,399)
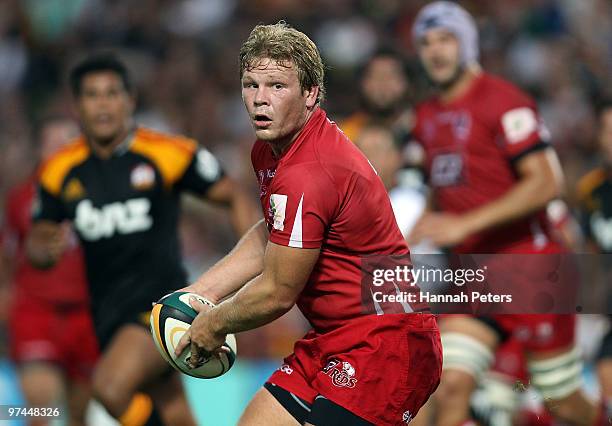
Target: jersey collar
(124,146)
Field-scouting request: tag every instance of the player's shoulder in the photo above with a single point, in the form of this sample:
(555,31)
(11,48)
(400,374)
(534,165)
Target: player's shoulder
(425,109)
(170,154)
(55,169)
(590,181)
(338,157)
(333,148)
(503,91)
(149,139)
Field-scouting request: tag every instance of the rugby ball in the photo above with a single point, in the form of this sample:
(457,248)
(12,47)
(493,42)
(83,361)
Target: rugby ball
(171,317)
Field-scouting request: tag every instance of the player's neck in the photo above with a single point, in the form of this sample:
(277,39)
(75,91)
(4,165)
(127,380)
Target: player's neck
(461,86)
(104,149)
(280,146)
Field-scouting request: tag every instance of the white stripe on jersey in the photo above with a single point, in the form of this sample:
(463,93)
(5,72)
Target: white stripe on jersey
(296,233)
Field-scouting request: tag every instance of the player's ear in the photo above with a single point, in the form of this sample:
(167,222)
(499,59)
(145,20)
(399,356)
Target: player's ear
(311,96)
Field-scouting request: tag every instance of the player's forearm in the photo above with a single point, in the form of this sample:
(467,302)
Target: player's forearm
(257,303)
(527,196)
(240,266)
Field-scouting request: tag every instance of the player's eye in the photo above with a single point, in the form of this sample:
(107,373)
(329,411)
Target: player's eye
(278,86)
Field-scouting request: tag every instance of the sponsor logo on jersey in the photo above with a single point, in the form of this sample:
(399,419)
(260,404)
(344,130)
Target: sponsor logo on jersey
(519,123)
(264,177)
(73,190)
(142,177)
(406,417)
(116,218)
(446,169)
(278,206)
(342,373)
(460,123)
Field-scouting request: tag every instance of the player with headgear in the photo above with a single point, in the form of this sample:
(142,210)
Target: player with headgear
(492,172)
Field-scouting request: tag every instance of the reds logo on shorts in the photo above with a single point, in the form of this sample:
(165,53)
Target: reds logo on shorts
(341,373)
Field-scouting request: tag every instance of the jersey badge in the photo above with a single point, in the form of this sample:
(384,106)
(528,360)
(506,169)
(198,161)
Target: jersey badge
(142,177)
(278,206)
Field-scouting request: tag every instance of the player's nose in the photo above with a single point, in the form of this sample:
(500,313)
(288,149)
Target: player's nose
(261,97)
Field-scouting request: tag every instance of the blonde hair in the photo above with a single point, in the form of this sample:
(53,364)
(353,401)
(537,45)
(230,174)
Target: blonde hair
(282,43)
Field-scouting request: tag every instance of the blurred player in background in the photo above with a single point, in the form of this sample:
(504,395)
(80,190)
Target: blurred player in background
(51,337)
(492,174)
(120,185)
(384,89)
(324,208)
(383,150)
(595,195)
(380,147)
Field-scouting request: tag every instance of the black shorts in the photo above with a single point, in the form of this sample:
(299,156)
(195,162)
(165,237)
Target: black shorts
(322,412)
(106,330)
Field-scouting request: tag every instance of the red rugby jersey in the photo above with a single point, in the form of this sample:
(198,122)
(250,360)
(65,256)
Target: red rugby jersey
(471,145)
(65,283)
(323,193)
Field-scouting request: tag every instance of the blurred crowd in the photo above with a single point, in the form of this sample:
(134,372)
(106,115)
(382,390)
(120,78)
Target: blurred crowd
(184,57)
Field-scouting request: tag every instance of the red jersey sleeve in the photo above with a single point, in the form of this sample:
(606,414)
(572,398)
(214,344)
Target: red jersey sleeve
(519,125)
(302,205)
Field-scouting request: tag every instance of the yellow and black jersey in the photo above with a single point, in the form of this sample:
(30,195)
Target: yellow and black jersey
(595,194)
(125,210)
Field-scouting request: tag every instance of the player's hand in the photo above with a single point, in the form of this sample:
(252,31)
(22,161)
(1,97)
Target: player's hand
(194,289)
(441,229)
(47,242)
(204,342)
(59,240)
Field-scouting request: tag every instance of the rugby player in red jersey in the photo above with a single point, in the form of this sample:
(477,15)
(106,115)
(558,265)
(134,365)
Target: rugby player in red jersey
(51,337)
(492,174)
(324,208)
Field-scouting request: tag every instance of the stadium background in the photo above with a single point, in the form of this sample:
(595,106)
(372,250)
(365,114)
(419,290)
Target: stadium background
(183,55)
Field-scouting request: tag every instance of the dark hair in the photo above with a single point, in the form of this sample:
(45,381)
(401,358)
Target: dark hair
(385,51)
(99,63)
